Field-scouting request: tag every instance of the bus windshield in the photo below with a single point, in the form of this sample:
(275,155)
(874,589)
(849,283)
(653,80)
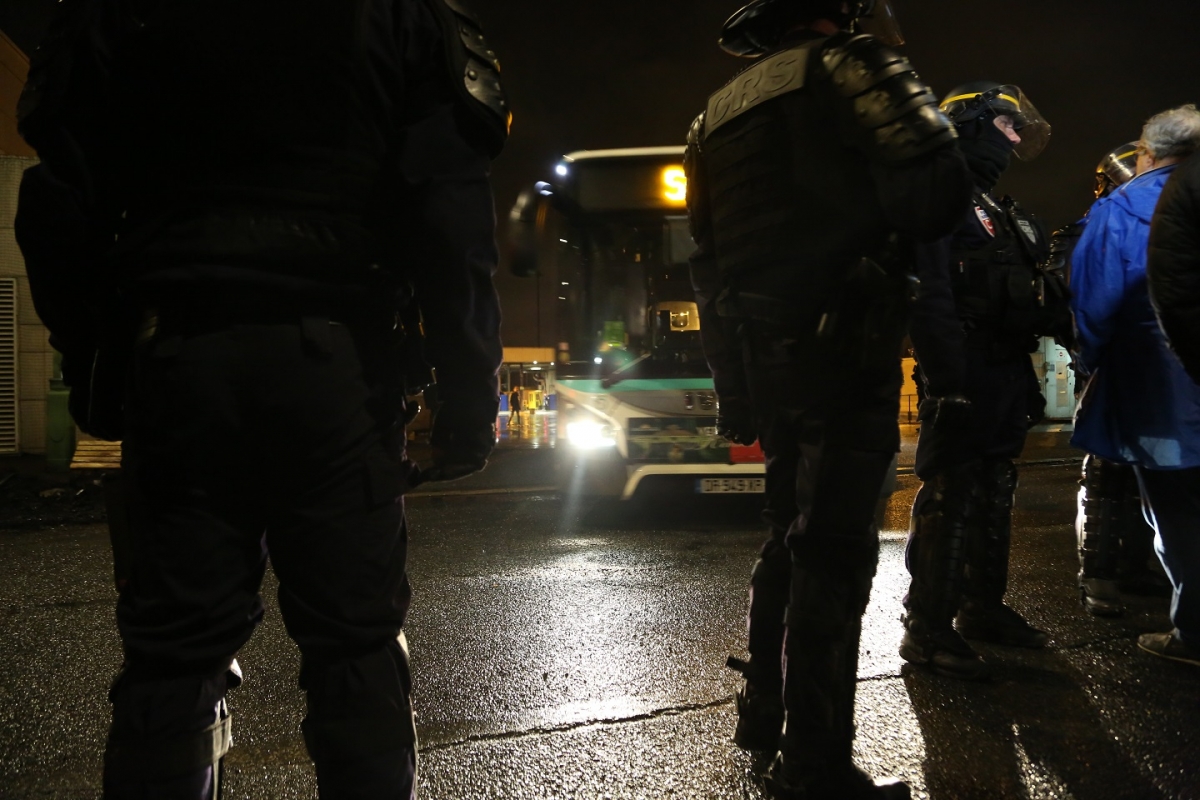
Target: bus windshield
(629,298)
(613,229)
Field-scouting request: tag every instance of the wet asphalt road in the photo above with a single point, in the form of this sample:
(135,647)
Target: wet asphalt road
(561,653)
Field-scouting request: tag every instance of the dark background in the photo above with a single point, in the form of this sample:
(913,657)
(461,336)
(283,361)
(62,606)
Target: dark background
(632,73)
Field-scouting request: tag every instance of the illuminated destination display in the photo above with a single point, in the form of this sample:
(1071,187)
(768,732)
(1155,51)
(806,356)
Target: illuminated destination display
(627,184)
(674,185)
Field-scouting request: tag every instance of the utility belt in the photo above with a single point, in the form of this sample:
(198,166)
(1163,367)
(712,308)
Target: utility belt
(862,313)
(387,339)
(796,317)
(206,314)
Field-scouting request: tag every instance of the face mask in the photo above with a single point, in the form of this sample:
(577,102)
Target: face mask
(987,149)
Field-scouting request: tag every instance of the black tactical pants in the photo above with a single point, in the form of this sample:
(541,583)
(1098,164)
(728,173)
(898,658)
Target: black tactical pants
(246,440)
(828,429)
(975,455)
(1174,500)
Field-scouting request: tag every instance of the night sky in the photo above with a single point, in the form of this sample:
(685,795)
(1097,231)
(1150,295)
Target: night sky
(630,73)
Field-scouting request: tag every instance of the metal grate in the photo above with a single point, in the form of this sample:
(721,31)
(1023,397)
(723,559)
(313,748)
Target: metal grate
(9,392)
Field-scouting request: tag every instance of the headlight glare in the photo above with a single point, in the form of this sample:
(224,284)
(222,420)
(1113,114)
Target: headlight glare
(590,435)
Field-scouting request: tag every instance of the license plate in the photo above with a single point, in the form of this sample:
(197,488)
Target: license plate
(731,485)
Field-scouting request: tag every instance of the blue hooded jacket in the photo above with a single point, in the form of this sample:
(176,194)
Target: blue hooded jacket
(1139,406)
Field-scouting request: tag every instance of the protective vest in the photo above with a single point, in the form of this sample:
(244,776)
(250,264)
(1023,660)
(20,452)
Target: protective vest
(255,136)
(1004,284)
(787,148)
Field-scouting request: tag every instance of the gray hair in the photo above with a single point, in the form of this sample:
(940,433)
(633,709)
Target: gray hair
(1172,133)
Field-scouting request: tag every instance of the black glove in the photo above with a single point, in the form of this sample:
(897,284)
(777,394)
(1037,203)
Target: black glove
(735,420)
(462,440)
(949,413)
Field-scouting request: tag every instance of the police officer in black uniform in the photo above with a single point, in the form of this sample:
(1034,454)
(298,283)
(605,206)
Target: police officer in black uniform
(1115,541)
(808,175)
(961,521)
(1116,168)
(244,199)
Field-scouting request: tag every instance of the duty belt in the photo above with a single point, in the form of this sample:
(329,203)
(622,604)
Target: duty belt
(173,316)
(797,316)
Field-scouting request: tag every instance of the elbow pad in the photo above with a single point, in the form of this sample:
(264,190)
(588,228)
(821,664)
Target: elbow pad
(894,114)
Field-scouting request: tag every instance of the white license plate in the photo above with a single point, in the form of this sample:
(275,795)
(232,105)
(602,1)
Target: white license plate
(731,485)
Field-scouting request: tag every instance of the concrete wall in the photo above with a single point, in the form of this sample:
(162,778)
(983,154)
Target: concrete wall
(14,69)
(35,356)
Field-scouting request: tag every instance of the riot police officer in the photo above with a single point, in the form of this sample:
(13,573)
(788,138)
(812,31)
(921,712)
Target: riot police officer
(809,174)
(1116,168)
(1115,541)
(239,202)
(961,521)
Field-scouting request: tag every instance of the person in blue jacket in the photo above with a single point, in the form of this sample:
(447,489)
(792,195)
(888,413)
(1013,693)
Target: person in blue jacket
(1115,541)
(1139,406)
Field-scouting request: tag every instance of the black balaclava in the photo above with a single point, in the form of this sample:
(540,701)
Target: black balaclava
(987,149)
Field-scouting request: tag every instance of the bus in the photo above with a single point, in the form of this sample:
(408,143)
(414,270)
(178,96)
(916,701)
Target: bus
(635,400)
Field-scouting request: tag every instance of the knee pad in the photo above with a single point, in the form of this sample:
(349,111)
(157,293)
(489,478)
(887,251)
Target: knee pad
(774,565)
(359,706)
(1106,479)
(168,732)
(831,585)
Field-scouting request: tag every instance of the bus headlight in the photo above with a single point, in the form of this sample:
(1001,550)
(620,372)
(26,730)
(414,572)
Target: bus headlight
(590,435)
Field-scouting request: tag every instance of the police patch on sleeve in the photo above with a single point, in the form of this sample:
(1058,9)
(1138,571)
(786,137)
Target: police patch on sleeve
(986,221)
(1027,228)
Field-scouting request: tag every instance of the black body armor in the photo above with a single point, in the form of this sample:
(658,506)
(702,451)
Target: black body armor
(1005,288)
(793,207)
(287,178)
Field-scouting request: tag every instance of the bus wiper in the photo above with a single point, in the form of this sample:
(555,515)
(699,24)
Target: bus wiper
(618,375)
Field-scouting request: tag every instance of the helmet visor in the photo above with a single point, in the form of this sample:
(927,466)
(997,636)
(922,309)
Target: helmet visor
(878,18)
(1027,121)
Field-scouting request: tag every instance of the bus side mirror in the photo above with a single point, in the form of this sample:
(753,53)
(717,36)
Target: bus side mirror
(522,235)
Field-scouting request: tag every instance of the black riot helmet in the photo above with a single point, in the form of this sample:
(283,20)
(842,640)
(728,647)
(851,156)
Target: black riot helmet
(986,100)
(760,26)
(1116,168)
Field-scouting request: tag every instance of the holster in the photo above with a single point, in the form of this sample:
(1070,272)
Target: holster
(97,374)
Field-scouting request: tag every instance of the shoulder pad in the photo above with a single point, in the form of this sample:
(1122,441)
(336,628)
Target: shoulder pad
(470,57)
(695,136)
(857,63)
(887,97)
(697,189)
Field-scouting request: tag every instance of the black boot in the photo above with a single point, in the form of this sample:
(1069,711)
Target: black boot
(983,614)
(937,557)
(943,650)
(1098,526)
(852,784)
(760,709)
(760,700)
(831,585)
